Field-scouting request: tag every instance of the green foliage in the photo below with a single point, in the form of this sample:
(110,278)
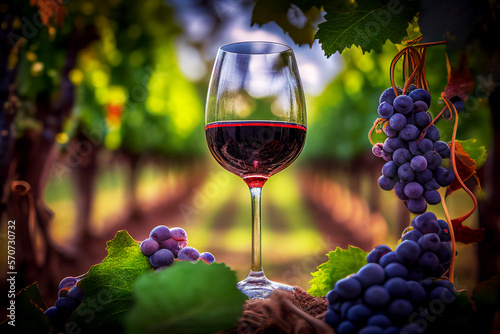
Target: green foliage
(29,316)
(365,23)
(341,262)
(186,298)
(476,152)
(108,286)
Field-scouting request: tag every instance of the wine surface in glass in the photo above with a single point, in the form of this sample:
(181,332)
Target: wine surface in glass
(255,150)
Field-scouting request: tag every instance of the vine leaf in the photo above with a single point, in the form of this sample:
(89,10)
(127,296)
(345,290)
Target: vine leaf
(29,316)
(468,158)
(460,81)
(365,23)
(465,234)
(341,262)
(108,287)
(186,298)
(297,18)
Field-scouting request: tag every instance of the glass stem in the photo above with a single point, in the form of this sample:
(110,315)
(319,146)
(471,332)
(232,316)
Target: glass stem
(256,229)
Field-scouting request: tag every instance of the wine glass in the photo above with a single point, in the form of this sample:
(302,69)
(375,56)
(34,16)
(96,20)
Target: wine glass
(255,126)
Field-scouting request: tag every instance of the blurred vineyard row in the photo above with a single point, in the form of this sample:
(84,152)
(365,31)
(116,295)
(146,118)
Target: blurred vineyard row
(102,125)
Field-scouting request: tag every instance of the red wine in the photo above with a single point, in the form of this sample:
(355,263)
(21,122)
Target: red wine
(255,150)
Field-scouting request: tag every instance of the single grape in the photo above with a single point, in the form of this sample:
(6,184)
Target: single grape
(76,293)
(424,176)
(397,122)
(413,148)
(390,132)
(401,155)
(444,233)
(160,233)
(385,110)
(376,253)
(443,294)
(386,183)
(346,327)
(442,149)
(377,149)
(431,185)
(396,269)
(428,261)
(433,159)
(207,257)
(443,176)
(413,190)
(333,297)
(344,307)
(396,287)
(419,164)
(162,257)
(348,288)
(410,88)
(426,145)
(392,144)
(178,234)
(332,318)
(420,106)
(388,95)
(376,296)
(432,197)
(408,252)
(172,245)
(432,133)
(189,254)
(426,224)
(399,190)
(421,95)
(67,282)
(403,104)
(414,235)
(406,173)
(390,169)
(149,246)
(386,155)
(358,314)
(399,309)
(54,315)
(388,258)
(444,253)
(371,274)
(409,133)
(417,205)
(379,320)
(422,119)
(430,242)
(66,306)
(423,217)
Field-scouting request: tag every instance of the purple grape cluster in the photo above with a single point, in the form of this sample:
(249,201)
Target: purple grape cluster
(396,290)
(413,151)
(165,245)
(70,296)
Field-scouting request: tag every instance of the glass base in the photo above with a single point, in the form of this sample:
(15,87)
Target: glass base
(258,286)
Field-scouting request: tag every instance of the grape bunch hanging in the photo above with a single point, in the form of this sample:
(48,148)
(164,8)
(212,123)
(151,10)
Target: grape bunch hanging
(413,151)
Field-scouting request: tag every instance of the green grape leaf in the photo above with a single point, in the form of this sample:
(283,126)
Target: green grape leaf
(296,17)
(186,298)
(367,24)
(108,286)
(341,262)
(476,152)
(27,312)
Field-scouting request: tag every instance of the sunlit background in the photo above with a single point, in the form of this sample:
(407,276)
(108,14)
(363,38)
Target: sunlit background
(132,154)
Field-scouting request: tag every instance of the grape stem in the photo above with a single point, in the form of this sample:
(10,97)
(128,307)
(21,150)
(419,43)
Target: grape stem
(451,270)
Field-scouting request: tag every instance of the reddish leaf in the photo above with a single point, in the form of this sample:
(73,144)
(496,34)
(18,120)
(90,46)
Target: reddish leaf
(460,81)
(466,167)
(465,234)
(50,9)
